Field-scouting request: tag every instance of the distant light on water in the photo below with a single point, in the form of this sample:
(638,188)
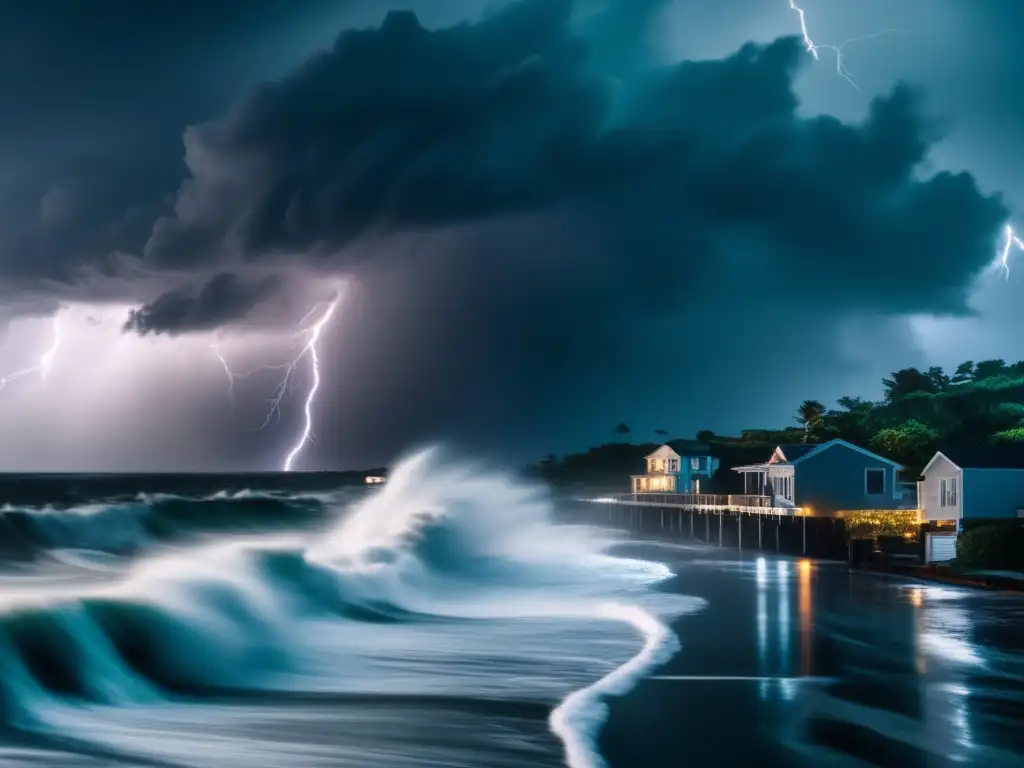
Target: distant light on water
(951,647)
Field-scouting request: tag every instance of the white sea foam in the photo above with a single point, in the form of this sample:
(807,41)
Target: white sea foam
(292,613)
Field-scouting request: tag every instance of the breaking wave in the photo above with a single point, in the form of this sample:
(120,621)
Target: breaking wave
(438,543)
(129,526)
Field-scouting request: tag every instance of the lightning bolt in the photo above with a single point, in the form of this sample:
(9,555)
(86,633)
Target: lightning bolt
(45,361)
(1010,241)
(311,328)
(233,376)
(839,50)
(314,358)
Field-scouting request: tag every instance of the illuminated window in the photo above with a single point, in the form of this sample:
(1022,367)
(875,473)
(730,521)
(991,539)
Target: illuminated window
(874,482)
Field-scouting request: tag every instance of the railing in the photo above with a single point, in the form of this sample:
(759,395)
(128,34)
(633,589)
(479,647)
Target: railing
(700,501)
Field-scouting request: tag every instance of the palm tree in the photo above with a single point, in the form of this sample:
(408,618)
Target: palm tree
(810,414)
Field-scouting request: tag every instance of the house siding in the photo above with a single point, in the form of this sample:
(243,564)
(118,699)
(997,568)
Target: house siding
(928,491)
(834,479)
(992,494)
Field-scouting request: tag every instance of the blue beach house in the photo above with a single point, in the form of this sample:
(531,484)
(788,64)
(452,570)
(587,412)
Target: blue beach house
(826,478)
(670,472)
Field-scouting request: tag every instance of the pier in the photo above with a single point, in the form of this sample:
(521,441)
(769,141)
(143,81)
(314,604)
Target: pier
(702,502)
(728,521)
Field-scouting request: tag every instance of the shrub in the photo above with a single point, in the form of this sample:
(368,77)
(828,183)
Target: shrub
(998,546)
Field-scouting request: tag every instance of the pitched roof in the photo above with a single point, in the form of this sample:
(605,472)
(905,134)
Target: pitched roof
(798,452)
(816,449)
(986,456)
(664,452)
(794,451)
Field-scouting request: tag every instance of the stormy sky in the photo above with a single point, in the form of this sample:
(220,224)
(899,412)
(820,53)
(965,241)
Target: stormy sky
(533,219)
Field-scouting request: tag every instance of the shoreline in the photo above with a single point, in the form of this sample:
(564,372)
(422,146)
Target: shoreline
(796,664)
(980,581)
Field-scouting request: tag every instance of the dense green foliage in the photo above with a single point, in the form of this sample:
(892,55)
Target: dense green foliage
(998,547)
(919,411)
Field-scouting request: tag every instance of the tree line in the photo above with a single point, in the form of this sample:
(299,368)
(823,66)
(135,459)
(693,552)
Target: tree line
(921,410)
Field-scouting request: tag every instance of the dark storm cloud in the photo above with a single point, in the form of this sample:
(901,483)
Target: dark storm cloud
(552,225)
(94,97)
(224,298)
(401,128)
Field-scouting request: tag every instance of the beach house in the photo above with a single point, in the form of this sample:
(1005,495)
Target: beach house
(670,472)
(964,486)
(825,478)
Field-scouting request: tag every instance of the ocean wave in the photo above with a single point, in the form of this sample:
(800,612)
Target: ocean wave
(128,526)
(439,542)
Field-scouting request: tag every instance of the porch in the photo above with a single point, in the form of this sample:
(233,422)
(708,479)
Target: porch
(773,479)
(653,483)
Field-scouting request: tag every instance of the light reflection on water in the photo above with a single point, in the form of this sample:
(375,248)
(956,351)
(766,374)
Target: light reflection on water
(806,622)
(762,626)
(784,620)
(782,573)
(944,634)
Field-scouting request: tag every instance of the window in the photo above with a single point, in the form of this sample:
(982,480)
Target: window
(783,485)
(874,482)
(695,464)
(947,492)
(673,465)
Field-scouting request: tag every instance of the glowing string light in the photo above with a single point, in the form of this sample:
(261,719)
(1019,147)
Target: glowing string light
(44,364)
(839,50)
(1010,242)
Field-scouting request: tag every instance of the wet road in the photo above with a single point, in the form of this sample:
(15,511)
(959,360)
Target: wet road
(795,662)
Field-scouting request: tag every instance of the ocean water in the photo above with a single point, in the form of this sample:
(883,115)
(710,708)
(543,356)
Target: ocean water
(442,619)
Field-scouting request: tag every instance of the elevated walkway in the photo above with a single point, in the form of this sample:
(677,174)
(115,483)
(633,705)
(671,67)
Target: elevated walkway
(700,502)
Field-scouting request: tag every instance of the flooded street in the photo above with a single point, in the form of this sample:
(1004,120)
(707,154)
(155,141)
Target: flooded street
(796,662)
